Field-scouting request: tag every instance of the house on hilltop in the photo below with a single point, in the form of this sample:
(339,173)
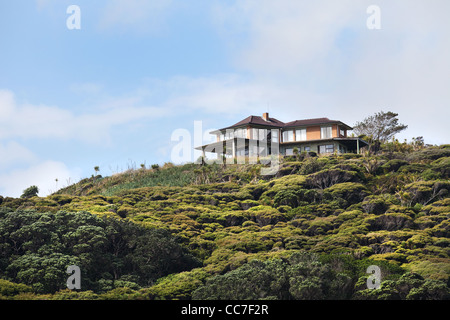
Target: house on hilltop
(264,135)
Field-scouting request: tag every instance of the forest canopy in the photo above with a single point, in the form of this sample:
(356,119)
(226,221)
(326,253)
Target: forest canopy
(36,249)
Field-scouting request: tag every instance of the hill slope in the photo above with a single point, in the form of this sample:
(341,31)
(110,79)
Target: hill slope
(345,212)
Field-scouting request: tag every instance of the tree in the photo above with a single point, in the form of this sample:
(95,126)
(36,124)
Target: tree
(301,276)
(379,128)
(37,247)
(30,192)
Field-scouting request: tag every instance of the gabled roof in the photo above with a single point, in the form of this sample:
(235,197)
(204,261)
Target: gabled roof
(272,122)
(259,120)
(255,120)
(315,121)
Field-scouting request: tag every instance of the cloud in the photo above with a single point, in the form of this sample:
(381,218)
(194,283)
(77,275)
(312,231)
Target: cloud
(223,93)
(42,175)
(21,168)
(283,36)
(12,153)
(52,122)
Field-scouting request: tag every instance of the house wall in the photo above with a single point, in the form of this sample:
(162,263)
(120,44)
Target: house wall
(335,131)
(313,133)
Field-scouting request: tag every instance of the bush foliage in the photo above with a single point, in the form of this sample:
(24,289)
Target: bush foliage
(227,232)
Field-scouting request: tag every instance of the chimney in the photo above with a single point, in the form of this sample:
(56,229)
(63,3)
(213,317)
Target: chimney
(266,116)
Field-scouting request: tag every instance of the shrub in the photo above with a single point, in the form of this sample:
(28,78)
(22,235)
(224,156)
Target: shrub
(8,288)
(429,154)
(301,276)
(289,197)
(264,215)
(327,178)
(390,221)
(410,286)
(436,268)
(393,165)
(374,204)
(442,166)
(311,165)
(350,191)
(176,286)
(424,192)
(30,192)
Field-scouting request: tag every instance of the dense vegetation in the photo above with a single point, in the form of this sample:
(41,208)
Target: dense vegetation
(226,232)
(37,248)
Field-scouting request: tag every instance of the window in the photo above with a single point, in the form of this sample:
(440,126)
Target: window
(262,134)
(289,152)
(275,135)
(325,132)
(238,133)
(342,132)
(242,153)
(288,135)
(255,133)
(307,149)
(329,148)
(300,135)
(229,134)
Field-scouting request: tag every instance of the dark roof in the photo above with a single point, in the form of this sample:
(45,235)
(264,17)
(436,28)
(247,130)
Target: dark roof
(256,120)
(308,122)
(259,120)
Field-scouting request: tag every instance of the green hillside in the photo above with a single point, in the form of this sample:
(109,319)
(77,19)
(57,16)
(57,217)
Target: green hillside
(226,232)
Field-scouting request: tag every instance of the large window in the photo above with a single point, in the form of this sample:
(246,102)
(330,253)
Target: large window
(300,135)
(255,133)
(241,133)
(262,134)
(229,134)
(288,135)
(329,148)
(289,152)
(275,135)
(325,132)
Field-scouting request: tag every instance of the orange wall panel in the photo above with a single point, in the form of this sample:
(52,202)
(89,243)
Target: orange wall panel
(313,133)
(334,131)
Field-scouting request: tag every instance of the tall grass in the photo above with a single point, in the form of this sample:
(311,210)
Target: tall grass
(169,175)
